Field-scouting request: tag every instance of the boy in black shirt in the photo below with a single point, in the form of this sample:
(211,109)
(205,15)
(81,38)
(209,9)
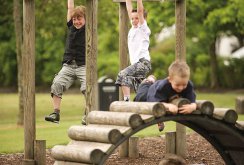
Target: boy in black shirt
(73,59)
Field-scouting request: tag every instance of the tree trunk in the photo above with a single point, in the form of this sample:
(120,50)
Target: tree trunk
(214,65)
(19,42)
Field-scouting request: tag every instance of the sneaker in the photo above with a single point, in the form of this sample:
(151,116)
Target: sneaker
(161,126)
(83,120)
(127,100)
(53,117)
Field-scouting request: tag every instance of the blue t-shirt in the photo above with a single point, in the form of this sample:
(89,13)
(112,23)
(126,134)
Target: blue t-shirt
(162,91)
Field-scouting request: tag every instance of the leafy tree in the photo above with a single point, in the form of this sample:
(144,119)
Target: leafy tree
(8,62)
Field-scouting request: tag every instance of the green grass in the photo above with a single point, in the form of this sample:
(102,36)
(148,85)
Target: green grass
(12,136)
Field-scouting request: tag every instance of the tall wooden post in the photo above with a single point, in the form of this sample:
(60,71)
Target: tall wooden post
(180,33)
(123,48)
(29,78)
(180,54)
(91,56)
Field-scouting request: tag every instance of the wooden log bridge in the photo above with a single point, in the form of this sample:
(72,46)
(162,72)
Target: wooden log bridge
(106,130)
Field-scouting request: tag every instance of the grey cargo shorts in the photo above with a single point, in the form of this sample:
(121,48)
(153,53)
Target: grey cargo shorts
(66,77)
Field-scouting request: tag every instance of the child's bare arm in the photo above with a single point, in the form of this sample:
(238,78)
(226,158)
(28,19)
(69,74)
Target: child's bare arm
(71,6)
(188,108)
(129,7)
(171,108)
(140,11)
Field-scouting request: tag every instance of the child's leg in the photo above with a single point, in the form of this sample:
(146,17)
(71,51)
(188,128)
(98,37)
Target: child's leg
(126,92)
(81,75)
(62,81)
(141,94)
(125,79)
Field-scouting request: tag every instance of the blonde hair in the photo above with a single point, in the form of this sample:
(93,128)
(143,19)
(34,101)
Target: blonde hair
(79,11)
(171,159)
(179,68)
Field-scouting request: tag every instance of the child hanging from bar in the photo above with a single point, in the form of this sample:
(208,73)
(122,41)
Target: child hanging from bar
(138,44)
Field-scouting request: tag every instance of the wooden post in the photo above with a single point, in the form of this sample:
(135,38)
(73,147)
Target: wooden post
(123,149)
(180,33)
(180,54)
(91,56)
(29,78)
(240,104)
(181,140)
(123,33)
(40,152)
(133,147)
(170,139)
(28,162)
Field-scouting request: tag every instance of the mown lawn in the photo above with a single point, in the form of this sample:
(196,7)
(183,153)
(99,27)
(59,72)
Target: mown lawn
(12,136)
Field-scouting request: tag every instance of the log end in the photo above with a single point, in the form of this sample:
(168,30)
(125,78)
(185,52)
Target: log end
(180,101)
(114,136)
(231,116)
(207,108)
(135,121)
(183,101)
(159,110)
(96,156)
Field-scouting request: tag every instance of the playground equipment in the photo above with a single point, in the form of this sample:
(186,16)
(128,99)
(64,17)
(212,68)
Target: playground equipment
(106,130)
(34,148)
(216,129)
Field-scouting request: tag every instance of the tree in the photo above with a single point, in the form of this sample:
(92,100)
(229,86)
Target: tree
(208,21)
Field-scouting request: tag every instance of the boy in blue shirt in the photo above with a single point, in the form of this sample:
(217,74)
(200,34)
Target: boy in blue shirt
(177,84)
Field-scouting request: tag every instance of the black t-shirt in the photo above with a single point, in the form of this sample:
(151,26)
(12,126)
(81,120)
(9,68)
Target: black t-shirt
(75,45)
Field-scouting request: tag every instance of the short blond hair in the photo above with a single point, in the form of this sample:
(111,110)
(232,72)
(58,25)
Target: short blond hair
(179,68)
(79,11)
(171,159)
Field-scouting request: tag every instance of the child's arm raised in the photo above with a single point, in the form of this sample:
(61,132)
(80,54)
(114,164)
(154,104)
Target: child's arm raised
(71,6)
(129,8)
(140,11)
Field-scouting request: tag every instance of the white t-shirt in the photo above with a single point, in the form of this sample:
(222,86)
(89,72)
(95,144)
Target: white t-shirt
(138,43)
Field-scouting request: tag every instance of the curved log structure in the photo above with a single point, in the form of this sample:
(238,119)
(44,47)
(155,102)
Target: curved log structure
(218,126)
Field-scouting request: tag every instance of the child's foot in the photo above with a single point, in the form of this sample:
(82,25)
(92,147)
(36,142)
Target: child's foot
(83,120)
(161,126)
(53,117)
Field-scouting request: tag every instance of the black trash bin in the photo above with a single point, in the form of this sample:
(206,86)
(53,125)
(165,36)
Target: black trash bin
(108,92)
